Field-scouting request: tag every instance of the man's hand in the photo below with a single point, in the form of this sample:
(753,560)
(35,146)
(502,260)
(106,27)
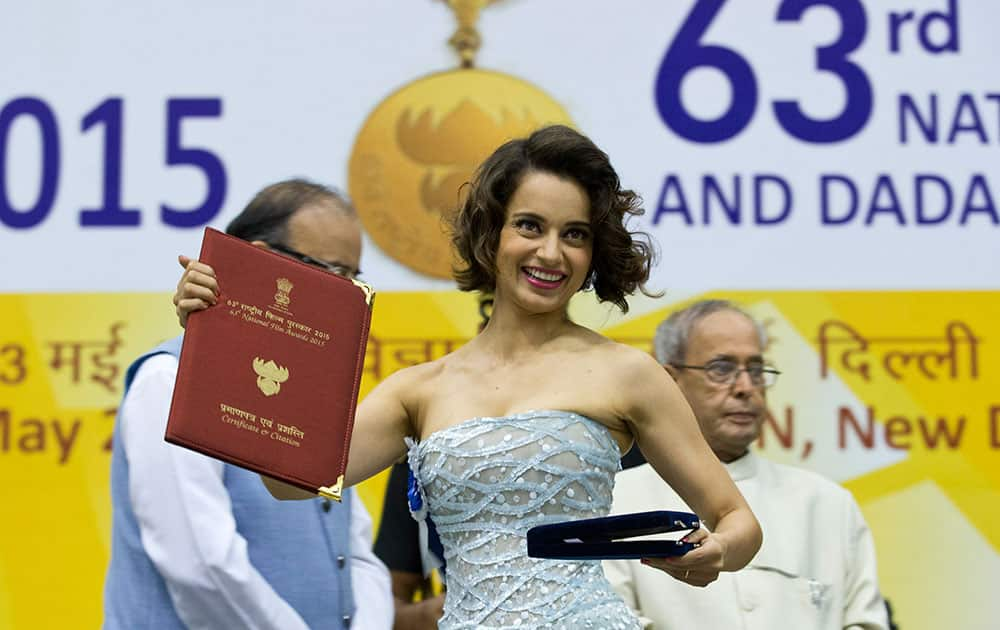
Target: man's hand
(197,289)
(422,615)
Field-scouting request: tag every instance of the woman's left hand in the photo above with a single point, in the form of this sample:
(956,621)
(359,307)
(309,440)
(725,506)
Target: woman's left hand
(698,567)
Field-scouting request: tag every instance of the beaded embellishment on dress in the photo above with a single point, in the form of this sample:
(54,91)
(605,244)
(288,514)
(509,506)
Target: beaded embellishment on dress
(485,482)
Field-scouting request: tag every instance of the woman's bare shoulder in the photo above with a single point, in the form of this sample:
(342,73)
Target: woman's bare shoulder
(625,356)
(415,375)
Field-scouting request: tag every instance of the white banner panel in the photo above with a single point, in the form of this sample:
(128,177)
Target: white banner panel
(777,144)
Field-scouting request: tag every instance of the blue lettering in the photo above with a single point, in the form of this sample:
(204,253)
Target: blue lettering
(966,118)
(928,126)
(993,96)
(826,183)
(111,212)
(896,20)
(758,199)
(966,104)
(949,20)
(989,208)
(687,53)
(672,184)
(833,59)
(108,115)
(884,183)
(49,133)
(206,161)
(709,189)
(923,216)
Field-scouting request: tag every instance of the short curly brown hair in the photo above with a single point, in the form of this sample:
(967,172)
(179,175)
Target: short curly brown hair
(622,259)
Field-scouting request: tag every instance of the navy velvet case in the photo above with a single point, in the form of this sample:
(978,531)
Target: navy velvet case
(597,538)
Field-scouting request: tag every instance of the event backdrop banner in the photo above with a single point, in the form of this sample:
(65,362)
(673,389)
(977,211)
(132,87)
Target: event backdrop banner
(830,164)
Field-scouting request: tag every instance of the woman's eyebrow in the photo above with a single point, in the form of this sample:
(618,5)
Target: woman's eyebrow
(525,214)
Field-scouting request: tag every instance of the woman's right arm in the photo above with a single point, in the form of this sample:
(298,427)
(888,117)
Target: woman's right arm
(382,420)
(381,424)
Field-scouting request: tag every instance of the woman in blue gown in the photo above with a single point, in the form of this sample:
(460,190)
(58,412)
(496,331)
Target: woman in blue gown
(525,424)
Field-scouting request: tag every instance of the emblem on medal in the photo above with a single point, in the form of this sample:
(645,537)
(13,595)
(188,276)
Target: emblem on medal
(422,143)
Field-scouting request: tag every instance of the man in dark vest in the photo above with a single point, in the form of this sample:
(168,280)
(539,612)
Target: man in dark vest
(201,544)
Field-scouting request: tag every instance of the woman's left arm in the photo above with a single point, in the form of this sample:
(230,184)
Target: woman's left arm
(668,434)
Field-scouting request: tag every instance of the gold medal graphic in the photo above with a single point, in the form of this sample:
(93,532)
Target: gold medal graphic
(423,142)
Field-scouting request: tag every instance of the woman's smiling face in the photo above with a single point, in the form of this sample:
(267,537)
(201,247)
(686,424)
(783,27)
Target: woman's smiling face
(546,243)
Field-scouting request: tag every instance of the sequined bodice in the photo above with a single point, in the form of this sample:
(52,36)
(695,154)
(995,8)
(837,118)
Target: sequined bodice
(487,481)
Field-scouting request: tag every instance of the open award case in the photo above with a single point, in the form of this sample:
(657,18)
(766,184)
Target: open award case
(607,538)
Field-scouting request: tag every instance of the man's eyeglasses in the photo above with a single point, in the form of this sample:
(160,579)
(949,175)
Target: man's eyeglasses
(333,267)
(726,372)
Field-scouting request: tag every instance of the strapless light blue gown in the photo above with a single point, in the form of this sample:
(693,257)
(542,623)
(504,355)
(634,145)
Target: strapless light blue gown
(485,482)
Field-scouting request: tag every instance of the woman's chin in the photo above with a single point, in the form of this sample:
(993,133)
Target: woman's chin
(540,303)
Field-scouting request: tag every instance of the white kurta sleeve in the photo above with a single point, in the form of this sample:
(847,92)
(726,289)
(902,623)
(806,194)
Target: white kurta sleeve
(373,602)
(864,608)
(185,518)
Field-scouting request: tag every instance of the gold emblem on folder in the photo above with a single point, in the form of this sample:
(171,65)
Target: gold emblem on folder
(283,297)
(270,376)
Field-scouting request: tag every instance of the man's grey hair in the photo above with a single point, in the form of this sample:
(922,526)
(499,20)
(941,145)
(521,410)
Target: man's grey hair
(671,340)
(267,215)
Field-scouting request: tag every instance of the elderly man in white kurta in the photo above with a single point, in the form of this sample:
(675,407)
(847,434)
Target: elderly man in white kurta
(816,569)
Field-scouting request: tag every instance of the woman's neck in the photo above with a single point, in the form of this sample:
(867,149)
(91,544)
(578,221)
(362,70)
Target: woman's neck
(512,331)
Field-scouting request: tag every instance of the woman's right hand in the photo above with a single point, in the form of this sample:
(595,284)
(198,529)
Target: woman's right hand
(197,290)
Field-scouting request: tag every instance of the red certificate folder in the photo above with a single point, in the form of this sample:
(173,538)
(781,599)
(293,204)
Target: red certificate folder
(268,377)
